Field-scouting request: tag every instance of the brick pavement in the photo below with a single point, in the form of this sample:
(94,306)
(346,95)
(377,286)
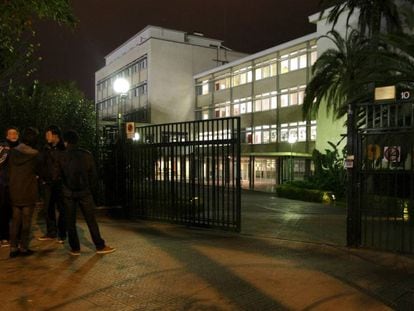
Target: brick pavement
(159,266)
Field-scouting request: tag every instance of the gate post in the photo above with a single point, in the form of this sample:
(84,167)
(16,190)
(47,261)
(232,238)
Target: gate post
(353,228)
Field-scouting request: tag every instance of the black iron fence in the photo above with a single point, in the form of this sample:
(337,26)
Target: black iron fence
(185,172)
(385,171)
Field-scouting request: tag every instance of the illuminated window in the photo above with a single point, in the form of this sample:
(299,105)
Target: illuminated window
(204,87)
(242,76)
(302,131)
(284,99)
(258,73)
(273,102)
(266,134)
(313,130)
(258,105)
(222,84)
(294,63)
(313,57)
(273,133)
(284,64)
(302,61)
(236,109)
(205,114)
(284,132)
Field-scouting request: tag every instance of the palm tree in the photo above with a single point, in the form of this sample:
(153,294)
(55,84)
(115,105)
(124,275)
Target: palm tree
(373,14)
(398,59)
(339,76)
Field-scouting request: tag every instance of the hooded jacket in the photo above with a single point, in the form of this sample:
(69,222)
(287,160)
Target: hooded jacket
(23,169)
(78,172)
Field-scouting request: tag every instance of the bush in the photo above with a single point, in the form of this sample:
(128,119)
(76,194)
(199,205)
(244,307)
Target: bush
(303,194)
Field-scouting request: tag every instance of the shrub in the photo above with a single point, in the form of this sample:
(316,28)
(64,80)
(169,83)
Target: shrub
(303,194)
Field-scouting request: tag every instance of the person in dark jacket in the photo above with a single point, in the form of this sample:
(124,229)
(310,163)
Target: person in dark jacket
(23,185)
(79,187)
(12,140)
(52,185)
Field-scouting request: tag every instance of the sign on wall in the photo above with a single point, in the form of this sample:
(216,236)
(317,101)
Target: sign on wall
(392,153)
(130,129)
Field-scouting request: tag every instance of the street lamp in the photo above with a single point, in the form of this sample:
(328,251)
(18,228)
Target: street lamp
(292,139)
(121,87)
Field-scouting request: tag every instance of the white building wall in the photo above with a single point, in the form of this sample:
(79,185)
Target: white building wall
(171,85)
(329,128)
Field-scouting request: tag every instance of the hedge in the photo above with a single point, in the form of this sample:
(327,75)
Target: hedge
(302,194)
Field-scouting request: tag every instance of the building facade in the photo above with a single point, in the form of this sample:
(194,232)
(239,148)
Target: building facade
(159,64)
(266,90)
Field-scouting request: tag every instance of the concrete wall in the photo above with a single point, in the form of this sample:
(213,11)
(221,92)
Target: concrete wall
(171,85)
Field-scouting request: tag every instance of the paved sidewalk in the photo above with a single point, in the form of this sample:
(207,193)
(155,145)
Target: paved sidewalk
(167,267)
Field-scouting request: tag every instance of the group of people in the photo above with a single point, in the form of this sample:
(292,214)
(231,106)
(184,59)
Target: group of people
(67,178)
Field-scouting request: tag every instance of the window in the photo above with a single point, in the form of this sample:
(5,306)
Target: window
(273,102)
(222,110)
(205,115)
(242,76)
(266,134)
(222,84)
(266,69)
(244,105)
(273,133)
(284,64)
(313,55)
(302,61)
(313,130)
(204,87)
(284,134)
(265,101)
(257,135)
(293,62)
(248,136)
(259,74)
(294,97)
(236,109)
(265,104)
(302,131)
(258,105)
(284,98)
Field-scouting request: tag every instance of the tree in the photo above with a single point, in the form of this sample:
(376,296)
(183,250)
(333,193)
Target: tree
(40,105)
(339,76)
(17,44)
(373,14)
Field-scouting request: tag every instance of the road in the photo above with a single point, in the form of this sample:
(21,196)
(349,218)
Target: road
(264,214)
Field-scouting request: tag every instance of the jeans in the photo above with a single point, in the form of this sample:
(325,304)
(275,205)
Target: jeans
(53,200)
(5,212)
(22,219)
(87,205)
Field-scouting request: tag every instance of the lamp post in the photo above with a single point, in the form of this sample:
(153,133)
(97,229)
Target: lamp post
(291,141)
(121,87)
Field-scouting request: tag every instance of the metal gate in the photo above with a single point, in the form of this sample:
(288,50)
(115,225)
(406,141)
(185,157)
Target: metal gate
(186,173)
(384,192)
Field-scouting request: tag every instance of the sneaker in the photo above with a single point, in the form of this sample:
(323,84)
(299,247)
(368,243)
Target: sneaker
(74,253)
(45,238)
(105,250)
(60,241)
(27,252)
(5,243)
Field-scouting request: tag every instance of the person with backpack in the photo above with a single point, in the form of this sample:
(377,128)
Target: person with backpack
(80,185)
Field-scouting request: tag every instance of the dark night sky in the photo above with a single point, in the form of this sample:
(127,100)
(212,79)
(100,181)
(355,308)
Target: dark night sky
(244,25)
